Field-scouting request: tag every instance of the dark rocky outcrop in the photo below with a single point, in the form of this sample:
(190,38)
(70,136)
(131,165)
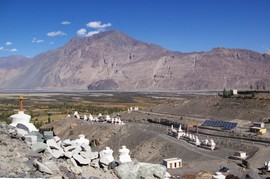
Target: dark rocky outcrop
(107,84)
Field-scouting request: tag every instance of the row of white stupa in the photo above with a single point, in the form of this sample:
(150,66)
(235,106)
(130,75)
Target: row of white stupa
(106,155)
(208,144)
(133,109)
(99,118)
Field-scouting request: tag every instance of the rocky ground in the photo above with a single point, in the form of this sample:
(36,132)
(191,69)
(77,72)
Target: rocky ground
(34,155)
(149,142)
(17,158)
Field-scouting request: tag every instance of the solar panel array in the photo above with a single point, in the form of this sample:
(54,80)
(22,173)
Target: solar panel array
(222,124)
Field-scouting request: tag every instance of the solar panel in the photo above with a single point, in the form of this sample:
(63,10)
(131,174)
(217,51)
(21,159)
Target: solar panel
(222,124)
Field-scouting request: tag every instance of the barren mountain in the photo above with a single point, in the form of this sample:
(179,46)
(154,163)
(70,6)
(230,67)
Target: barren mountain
(113,60)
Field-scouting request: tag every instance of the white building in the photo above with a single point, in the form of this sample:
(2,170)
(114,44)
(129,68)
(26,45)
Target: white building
(172,163)
(240,155)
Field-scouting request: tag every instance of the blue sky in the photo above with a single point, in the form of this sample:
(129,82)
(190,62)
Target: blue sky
(29,27)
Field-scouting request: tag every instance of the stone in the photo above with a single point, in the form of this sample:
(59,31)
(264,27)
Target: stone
(85,154)
(68,154)
(39,147)
(52,144)
(20,132)
(134,170)
(31,154)
(81,160)
(94,155)
(59,143)
(75,168)
(86,147)
(56,138)
(38,134)
(41,167)
(52,166)
(93,177)
(113,164)
(57,153)
(48,135)
(66,143)
(69,148)
(22,126)
(95,163)
(77,150)
(30,139)
(48,152)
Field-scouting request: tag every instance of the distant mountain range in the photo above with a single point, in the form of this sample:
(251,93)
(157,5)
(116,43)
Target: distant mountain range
(112,60)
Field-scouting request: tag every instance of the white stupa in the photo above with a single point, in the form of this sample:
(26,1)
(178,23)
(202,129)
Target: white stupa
(76,114)
(124,155)
(91,117)
(106,156)
(23,119)
(212,144)
(82,140)
(197,141)
(108,118)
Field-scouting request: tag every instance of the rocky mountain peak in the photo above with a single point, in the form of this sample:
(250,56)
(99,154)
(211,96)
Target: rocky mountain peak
(114,60)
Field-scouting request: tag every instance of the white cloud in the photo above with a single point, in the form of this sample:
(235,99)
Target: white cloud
(13,50)
(65,23)
(9,50)
(98,25)
(81,32)
(56,33)
(51,42)
(8,43)
(35,40)
(92,33)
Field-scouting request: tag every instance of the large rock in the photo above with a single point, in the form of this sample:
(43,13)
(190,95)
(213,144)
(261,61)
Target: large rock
(41,167)
(56,153)
(52,144)
(81,160)
(136,170)
(39,136)
(20,132)
(74,167)
(30,139)
(48,135)
(86,147)
(39,147)
(66,143)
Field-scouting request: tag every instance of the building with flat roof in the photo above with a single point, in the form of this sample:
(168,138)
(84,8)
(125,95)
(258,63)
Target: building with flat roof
(172,163)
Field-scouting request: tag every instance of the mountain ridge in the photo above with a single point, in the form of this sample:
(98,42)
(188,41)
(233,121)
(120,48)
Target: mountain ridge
(111,60)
